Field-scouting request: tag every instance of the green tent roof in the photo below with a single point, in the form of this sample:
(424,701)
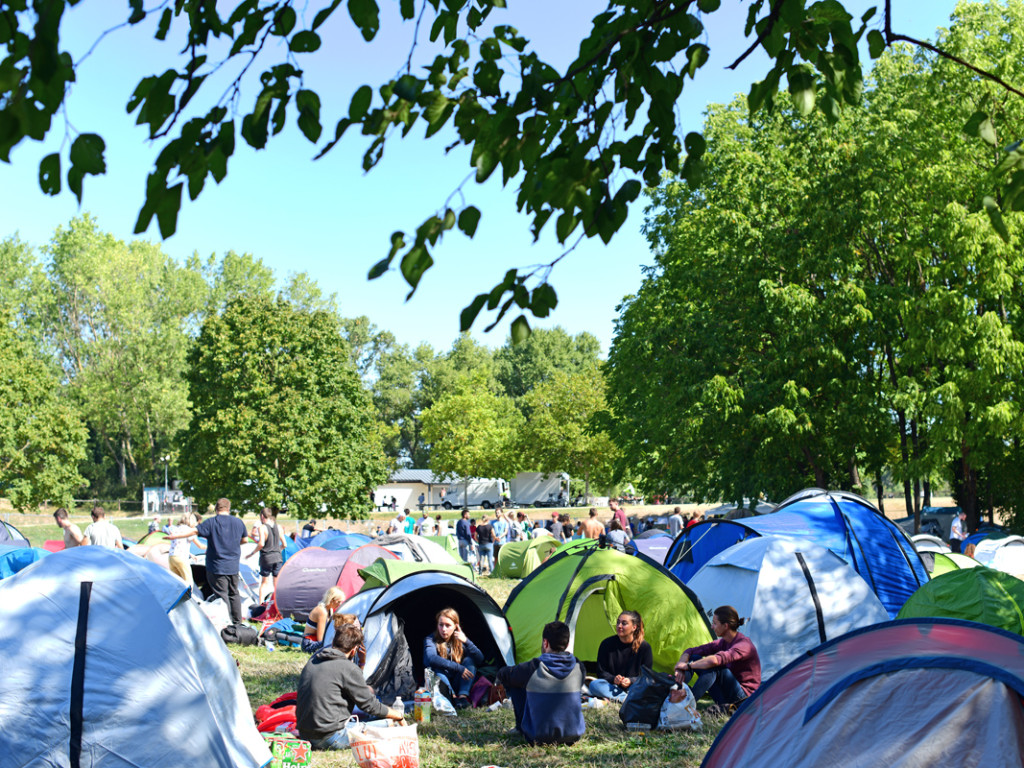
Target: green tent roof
(983,595)
(589,586)
(951,561)
(382,572)
(521,558)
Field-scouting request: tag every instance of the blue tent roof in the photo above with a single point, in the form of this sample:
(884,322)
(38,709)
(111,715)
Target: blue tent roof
(14,558)
(878,549)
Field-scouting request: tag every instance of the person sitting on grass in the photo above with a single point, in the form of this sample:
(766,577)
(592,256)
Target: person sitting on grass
(322,613)
(331,686)
(452,655)
(620,657)
(727,668)
(545,691)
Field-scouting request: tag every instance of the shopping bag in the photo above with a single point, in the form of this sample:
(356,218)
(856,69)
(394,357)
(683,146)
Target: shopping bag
(679,712)
(375,747)
(645,697)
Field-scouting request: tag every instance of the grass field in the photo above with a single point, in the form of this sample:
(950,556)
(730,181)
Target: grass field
(480,738)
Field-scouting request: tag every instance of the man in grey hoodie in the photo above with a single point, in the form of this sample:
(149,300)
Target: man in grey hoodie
(331,686)
(545,691)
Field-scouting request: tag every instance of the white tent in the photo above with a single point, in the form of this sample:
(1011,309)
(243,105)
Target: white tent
(925,542)
(1005,554)
(415,548)
(793,594)
(106,663)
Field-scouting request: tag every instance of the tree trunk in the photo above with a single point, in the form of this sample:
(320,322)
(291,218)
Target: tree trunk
(905,456)
(819,473)
(927,494)
(854,473)
(969,490)
(586,486)
(880,489)
(916,444)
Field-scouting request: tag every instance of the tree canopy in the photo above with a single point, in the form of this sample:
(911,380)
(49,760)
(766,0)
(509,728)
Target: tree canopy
(279,414)
(830,303)
(578,142)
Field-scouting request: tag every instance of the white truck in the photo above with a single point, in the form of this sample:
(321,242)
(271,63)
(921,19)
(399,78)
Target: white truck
(531,489)
(483,492)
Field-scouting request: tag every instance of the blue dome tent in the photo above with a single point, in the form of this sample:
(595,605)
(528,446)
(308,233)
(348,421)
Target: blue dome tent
(878,549)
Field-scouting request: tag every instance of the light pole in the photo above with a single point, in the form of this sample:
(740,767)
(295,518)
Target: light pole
(163,500)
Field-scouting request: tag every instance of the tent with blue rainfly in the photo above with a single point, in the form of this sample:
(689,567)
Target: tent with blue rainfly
(587,586)
(335,540)
(107,662)
(879,550)
(12,536)
(917,692)
(14,559)
(793,594)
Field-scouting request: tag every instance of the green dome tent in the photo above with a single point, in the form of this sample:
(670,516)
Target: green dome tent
(521,558)
(982,595)
(945,562)
(381,572)
(588,586)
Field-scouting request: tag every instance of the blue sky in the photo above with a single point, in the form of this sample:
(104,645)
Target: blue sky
(333,221)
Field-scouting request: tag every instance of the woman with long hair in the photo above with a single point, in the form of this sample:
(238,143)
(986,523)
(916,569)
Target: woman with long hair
(727,668)
(452,655)
(320,617)
(620,657)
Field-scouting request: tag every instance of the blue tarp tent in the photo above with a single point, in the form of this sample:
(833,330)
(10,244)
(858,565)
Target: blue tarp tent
(878,549)
(13,559)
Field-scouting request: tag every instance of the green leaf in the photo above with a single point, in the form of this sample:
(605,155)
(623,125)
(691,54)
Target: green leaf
(695,144)
(87,154)
(324,13)
(801,89)
(378,269)
(138,12)
(708,6)
(164,25)
(544,300)
(308,103)
(996,217)
(485,163)
(876,43)
(360,103)
(366,16)
(416,261)
(305,41)
(520,330)
(408,87)
(49,174)
(469,218)
(470,312)
(284,22)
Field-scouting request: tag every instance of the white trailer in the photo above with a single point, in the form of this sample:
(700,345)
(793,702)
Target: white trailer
(483,492)
(528,488)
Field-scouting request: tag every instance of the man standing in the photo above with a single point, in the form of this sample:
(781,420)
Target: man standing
(464,535)
(101,533)
(675,522)
(592,528)
(425,526)
(556,528)
(331,686)
(224,536)
(619,514)
(397,524)
(958,531)
(545,691)
(485,541)
(422,501)
(408,524)
(270,545)
(72,533)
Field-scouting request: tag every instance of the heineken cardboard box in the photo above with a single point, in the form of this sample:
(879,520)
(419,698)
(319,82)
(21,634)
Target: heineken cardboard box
(287,750)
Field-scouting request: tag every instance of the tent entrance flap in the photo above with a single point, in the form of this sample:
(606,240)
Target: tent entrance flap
(594,613)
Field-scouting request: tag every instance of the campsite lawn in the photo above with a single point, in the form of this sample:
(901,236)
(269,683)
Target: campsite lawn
(479,738)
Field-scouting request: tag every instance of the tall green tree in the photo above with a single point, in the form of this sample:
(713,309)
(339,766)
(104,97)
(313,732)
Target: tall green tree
(279,414)
(564,429)
(578,140)
(472,432)
(116,317)
(42,437)
(521,367)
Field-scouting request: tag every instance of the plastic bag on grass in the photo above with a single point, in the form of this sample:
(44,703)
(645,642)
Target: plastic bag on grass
(679,712)
(645,697)
(375,747)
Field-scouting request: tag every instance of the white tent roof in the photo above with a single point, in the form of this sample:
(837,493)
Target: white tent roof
(1006,554)
(112,638)
(925,542)
(793,594)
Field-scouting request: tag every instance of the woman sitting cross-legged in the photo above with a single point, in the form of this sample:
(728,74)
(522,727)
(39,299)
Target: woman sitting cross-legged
(727,668)
(619,658)
(450,653)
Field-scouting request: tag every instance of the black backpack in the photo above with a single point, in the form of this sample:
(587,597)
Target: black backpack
(239,634)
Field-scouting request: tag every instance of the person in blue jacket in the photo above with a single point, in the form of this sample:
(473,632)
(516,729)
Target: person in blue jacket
(545,691)
(451,654)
